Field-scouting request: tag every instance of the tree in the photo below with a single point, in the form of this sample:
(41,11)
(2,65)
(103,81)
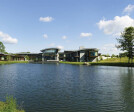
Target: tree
(126,42)
(113,55)
(107,55)
(2,47)
(27,57)
(101,57)
(8,57)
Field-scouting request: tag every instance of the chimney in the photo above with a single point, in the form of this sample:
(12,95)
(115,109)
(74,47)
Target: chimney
(81,47)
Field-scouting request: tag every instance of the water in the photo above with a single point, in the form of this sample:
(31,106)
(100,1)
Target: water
(68,88)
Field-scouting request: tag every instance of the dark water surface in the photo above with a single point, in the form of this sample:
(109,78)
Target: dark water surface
(68,88)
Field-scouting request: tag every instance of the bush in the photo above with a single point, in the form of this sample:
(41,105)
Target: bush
(9,106)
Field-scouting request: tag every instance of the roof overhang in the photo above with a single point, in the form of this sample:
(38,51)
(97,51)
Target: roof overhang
(50,49)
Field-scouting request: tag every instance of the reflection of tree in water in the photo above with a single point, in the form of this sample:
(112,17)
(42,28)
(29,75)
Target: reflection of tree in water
(128,89)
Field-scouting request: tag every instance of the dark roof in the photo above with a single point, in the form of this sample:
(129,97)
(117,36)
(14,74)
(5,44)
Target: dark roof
(61,52)
(1,53)
(84,49)
(28,53)
(92,49)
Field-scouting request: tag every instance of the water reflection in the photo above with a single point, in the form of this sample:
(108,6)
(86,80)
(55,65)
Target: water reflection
(127,90)
(69,88)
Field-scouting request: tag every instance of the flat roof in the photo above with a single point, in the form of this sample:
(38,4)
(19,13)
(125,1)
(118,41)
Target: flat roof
(83,49)
(95,49)
(61,52)
(1,53)
(28,53)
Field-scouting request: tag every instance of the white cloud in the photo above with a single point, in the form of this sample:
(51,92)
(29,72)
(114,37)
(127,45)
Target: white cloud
(64,37)
(116,26)
(52,45)
(109,49)
(129,9)
(46,19)
(60,47)
(86,34)
(7,38)
(45,36)
(57,46)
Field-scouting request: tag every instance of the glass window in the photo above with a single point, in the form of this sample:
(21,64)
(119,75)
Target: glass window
(93,53)
(50,51)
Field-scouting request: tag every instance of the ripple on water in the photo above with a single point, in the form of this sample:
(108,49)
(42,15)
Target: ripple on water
(69,88)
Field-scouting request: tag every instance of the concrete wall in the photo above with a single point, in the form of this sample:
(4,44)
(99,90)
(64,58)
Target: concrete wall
(103,57)
(82,56)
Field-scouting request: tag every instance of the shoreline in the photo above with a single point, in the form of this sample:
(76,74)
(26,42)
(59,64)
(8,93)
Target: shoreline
(121,64)
(12,62)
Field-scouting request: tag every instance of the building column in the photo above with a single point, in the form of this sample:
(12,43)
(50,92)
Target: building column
(43,58)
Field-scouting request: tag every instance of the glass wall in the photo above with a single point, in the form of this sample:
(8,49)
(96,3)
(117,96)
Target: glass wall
(93,54)
(50,51)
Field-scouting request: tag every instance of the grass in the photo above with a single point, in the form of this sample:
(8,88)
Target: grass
(11,62)
(9,106)
(116,60)
(108,62)
(74,63)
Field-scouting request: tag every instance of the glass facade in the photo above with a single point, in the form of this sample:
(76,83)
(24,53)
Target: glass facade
(93,54)
(50,51)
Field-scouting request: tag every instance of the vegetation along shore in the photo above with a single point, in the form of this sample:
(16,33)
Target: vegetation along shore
(10,105)
(108,62)
(12,62)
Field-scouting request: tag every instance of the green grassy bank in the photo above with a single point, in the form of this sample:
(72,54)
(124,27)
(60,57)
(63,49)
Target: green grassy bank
(11,62)
(107,62)
(9,106)
(116,60)
(123,64)
(74,63)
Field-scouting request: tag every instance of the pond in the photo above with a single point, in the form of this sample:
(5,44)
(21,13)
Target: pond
(68,88)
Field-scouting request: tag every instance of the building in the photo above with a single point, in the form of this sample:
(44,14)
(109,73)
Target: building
(11,57)
(53,55)
(81,55)
(50,54)
(61,56)
(36,57)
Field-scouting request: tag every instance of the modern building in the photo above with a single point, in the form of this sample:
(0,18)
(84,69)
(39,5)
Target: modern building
(11,57)
(36,57)
(53,55)
(50,54)
(61,56)
(81,55)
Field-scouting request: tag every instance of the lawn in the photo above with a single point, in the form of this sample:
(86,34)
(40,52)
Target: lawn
(116,60)
(108,62)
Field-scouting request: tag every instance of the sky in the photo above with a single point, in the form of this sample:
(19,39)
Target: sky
(32,25)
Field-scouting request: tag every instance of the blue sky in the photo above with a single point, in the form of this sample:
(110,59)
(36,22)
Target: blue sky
(32,25)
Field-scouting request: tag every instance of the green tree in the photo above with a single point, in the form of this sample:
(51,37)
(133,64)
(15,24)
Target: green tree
(27,57)
(97,59)
(107,55)
(8,57)
(126,42)
(101,57)
(2,47)
(113,55)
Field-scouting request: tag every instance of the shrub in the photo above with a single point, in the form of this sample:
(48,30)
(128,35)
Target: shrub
(9,106)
